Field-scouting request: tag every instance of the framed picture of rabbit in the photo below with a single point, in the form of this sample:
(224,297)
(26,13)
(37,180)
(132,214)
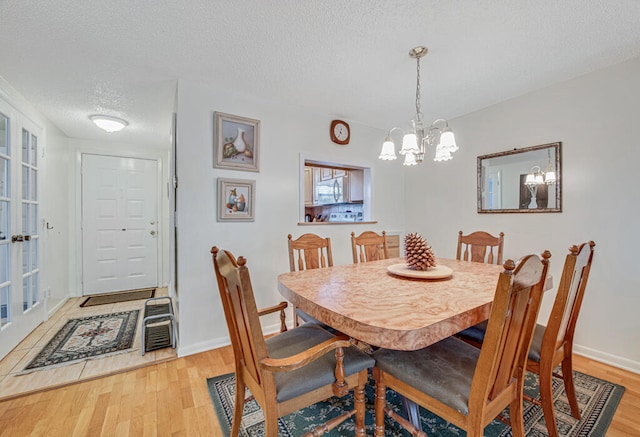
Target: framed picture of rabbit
(236,142)
(236,200)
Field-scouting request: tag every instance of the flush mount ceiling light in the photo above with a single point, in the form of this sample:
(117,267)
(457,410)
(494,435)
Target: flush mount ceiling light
(416,139)
(108,123)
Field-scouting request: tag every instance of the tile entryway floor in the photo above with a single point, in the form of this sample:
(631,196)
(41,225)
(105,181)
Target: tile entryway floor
(12,383)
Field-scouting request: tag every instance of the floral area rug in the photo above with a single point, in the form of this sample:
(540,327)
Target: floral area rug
(598,400)
(88,337)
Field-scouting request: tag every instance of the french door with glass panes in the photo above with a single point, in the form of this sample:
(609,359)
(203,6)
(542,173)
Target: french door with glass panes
(21,307)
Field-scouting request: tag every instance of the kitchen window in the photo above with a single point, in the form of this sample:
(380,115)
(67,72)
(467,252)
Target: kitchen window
(335,192)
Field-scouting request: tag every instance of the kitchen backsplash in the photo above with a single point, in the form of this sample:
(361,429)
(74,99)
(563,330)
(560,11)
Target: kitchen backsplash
(334,213)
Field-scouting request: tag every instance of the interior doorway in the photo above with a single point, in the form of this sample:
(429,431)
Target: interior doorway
(120,249)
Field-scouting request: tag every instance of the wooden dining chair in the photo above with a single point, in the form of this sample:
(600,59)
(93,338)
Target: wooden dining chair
(476,245)
(308,251)
(464,385)
(369,246)
(290,370)
(553,344)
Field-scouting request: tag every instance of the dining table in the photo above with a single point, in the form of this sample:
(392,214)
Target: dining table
(385,304)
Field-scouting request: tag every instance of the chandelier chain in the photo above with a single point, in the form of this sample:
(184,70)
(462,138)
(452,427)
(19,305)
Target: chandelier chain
(418,96)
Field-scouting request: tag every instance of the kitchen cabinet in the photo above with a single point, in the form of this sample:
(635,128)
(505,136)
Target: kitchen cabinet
(311,177)
(356,186)
(339,172)
(326,173)
(308,186)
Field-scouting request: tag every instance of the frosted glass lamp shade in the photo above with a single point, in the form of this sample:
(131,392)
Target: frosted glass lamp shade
(530,180)
(410,159)
(409,144)
(388,151)
(442,153)
(550,177)
(448,140)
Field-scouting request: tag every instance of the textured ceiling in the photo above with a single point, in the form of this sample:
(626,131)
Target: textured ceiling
(342,58)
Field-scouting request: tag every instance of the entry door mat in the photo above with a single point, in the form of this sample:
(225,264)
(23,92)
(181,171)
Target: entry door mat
(122,296)
(598,400)
(88,338)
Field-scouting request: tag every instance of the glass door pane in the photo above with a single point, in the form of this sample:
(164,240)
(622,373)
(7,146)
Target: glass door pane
(4,134)
(30,270)
(5,224)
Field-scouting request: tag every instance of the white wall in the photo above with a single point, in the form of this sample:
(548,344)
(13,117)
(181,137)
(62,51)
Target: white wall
(596,119)
(56,166)
(285,133)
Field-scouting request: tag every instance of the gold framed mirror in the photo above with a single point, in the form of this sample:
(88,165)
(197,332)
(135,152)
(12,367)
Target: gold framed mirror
(525,180)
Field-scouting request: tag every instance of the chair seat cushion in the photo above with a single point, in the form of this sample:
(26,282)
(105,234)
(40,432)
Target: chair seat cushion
(475,333)
(307,318)
(443,370)
(317,373)
(536,343)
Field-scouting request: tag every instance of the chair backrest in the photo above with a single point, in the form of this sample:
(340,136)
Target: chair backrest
(477,243)
(241,314)
(510,328)
(309,251)
(566,306)
(369,246)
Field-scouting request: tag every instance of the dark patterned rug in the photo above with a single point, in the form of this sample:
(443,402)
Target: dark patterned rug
(88,337)
(598,400)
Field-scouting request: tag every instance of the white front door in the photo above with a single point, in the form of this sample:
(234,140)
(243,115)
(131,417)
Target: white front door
(21,308)
(119,223)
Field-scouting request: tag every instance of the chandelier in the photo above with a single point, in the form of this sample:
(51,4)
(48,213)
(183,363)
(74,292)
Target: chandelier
(538,177)
(418,137)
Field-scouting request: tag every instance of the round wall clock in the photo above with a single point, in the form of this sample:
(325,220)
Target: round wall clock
(340,132)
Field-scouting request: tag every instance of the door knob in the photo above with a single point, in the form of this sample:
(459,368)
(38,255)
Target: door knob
(153,232)
(16,238)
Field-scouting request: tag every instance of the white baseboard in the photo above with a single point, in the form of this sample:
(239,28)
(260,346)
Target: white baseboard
(215,343)
(203,346)
(51,311)
(603,357)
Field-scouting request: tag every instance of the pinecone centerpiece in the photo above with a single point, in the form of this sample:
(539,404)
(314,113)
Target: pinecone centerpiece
(419,255)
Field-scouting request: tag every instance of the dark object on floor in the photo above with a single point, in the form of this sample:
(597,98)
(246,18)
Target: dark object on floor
(121,296)
(158,324)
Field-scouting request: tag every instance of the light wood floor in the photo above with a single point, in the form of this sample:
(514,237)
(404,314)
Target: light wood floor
(13,383)
(171,399)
